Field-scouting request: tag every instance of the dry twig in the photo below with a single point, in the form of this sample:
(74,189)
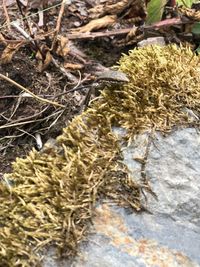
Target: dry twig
(6,14)
(29,92)
(58,25)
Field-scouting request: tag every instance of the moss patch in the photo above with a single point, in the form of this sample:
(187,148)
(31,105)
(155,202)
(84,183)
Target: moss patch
(50,196)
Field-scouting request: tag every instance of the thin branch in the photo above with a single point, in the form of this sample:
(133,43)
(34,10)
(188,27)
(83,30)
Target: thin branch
(17,123)
(6,14)
(93,35)
(120,32)
(70,76)
(58,25)
(26,118)
(29,92)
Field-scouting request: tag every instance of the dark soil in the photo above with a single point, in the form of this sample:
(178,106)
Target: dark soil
(21,118)
(17,140)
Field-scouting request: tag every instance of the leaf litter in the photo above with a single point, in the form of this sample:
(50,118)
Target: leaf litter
(49,198)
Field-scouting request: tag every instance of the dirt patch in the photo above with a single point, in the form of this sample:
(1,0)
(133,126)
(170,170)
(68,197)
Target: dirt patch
(21,116)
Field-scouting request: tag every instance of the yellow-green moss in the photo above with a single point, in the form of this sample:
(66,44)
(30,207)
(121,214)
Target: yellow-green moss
(163,81)
(49,197)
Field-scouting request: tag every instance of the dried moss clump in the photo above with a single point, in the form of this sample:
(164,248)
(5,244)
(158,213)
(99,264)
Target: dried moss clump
(49,198)
(164,84)
(52,193)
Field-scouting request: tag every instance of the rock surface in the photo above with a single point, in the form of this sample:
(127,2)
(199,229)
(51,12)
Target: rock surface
(169,234)
(152,41)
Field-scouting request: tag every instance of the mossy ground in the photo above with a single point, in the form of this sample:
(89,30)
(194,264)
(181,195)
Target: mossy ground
(50,196)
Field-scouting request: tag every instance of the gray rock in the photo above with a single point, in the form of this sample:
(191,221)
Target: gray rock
(169,234)
(152,41)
